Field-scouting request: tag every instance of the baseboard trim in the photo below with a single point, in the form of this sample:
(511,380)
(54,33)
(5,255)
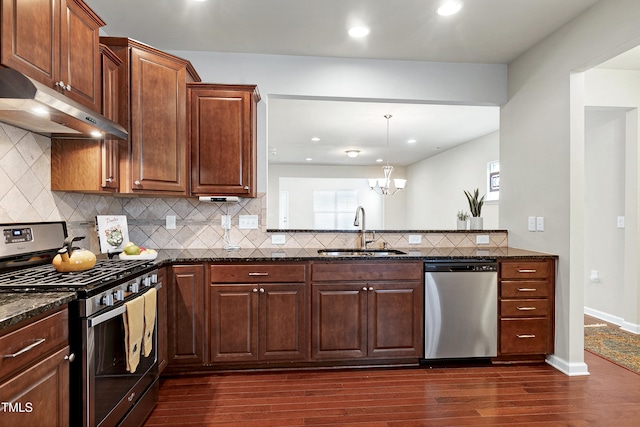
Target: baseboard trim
(570,369)
(633,328)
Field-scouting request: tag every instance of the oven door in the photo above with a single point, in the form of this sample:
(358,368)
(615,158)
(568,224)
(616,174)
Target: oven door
(109,390)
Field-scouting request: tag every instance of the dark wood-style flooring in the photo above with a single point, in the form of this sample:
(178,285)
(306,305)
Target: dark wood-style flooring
(461,396)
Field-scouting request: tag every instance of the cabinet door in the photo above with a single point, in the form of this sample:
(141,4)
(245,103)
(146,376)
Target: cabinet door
(283,332)
(80,54)
(39,395)
(109,151)
(185,310)
(338,321)
(233,323)
(395,324)
(30,38)
(158,124)
(223,140)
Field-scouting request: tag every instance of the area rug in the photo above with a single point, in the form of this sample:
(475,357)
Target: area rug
(613,344)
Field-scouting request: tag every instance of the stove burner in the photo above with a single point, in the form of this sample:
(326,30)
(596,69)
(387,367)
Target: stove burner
(45,277)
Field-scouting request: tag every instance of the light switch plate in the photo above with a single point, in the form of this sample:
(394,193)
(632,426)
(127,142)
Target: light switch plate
(277,239)
(531,223)
(248,221)
(415,239)
(170,222)
(540,223)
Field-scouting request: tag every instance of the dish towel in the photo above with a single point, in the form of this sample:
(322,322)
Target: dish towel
(150,302)
(133,319)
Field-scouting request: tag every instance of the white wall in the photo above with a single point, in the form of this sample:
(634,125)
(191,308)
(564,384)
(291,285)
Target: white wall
(541,149)
(436,192)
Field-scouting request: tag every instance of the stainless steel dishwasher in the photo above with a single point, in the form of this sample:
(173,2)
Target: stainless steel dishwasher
(461,308)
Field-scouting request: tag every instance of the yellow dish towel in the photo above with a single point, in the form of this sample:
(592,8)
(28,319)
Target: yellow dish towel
(150,302)
(133,328)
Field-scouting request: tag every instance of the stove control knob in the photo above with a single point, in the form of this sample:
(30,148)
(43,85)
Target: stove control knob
(154,278)
(107,300)
(118,295)
(147,281)
(134,287)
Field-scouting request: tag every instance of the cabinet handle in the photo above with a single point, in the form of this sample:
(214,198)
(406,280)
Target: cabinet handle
(70,357)
(525,335)
(246,187)
(527,271)
(364,289)
(262,290)
(136,182)
(370,288)
(526,308)
(24,350)
(62,86)
(255,290)
(110,179)
(258,273)
(527,289)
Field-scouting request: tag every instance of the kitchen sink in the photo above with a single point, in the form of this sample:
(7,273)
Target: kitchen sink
(360,252)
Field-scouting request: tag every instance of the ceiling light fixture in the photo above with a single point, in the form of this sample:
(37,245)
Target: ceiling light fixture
(358,32)
(449,7)
(383,185)
(352,153)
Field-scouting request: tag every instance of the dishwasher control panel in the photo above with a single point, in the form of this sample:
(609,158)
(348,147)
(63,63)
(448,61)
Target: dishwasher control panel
(462,265)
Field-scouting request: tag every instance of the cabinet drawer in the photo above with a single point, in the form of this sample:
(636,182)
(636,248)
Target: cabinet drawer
(366,270)
(525,289)
(31,342)
(525,269)
(526,336)
(524,308)
(258,273)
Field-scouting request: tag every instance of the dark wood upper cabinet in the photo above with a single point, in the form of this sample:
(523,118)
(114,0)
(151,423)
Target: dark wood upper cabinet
(56,43)
(222,131)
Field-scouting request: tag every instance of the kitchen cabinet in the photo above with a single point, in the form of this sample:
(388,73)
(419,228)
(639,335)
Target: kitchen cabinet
(185,315)
(91,166)
(258,313)
(153,107)
(526,307)
(161,322)
(222,131)
(34,372)
(366,310)
(56,43)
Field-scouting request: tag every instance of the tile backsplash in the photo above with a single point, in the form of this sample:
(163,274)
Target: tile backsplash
(25,196)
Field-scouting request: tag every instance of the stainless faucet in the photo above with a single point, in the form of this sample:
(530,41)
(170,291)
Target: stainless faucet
(363,228)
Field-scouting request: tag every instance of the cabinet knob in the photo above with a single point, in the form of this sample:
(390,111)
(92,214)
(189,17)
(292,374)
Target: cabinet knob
(246,187)
(370,288)
(255,290)
(70,357)
(110,179)
(364,289)
(262,290)
(136,182)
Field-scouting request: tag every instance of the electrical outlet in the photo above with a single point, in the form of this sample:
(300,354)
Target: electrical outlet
(620,222)
(170,222)
(225,222)
(415,239)
(482,239)
(540,223)
(277,239)
(248,221)
(531,223)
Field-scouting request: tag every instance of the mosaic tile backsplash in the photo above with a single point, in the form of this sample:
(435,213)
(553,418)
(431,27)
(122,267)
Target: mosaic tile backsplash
(25,196)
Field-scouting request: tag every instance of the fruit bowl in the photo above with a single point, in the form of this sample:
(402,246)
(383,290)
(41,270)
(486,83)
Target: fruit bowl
(143,256)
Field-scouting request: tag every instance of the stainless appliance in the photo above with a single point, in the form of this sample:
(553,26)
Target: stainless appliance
(103,392)
(461,308)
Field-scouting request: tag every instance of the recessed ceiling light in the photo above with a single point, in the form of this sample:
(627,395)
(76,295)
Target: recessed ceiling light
(352,153)
(379,160)
(449,7)
(411,141)
(358,31)
(315,139)
(308,159)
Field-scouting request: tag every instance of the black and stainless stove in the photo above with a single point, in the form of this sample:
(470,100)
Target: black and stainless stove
(107,393)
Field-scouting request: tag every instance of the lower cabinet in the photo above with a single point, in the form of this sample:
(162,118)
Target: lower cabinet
(185,315)
(163,349)
(367,309)
(526,307)
(34,373)
(257,312)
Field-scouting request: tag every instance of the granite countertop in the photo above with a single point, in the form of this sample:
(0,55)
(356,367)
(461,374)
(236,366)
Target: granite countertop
(311,254)
(17,306)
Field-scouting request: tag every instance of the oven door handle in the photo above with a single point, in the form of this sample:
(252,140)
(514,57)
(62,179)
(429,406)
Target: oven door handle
(95,321)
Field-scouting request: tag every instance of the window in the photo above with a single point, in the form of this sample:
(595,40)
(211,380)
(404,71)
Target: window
(333,210)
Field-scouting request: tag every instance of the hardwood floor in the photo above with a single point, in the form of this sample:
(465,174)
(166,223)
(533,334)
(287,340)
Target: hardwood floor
(462,396)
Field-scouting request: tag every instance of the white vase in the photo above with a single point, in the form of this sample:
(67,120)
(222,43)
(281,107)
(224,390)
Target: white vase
(475,223)
(462,224)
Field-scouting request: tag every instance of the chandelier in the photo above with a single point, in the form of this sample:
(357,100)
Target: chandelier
(383,185)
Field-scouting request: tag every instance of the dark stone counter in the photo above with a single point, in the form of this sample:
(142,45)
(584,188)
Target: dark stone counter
(16,307)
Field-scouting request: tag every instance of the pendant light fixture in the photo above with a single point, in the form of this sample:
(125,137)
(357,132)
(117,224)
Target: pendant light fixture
(383,185)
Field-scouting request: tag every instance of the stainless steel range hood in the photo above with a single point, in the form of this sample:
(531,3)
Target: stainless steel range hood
(30,105)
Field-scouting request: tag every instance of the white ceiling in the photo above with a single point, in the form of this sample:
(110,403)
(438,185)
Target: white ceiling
(485,31)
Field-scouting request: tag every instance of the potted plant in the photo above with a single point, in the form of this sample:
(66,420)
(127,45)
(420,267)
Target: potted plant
(475,206)
(462,220)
